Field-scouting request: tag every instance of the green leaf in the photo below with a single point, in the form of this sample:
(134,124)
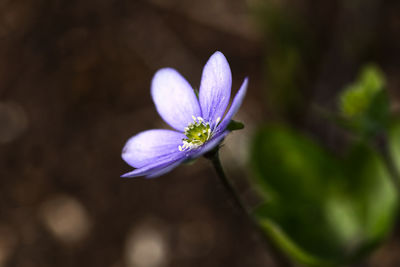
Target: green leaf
(235,125)
(356,98)
(320,209)
(365,103)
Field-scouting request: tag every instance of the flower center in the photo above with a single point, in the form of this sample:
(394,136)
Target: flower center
(198,132)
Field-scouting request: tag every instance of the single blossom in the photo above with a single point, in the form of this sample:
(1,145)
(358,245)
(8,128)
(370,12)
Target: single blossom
(199,122)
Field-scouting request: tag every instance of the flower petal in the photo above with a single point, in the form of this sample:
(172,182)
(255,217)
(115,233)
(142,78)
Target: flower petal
(236,103)
(174,98)
(215,87)
(157,168)
(164,170)
(151,146)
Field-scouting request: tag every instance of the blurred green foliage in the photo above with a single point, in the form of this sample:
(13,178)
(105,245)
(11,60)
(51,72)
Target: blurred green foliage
(395,148)
(364,104)
(357,97)
(322,209)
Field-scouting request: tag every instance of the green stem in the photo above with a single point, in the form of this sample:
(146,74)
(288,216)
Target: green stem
(227,183)
(213,156)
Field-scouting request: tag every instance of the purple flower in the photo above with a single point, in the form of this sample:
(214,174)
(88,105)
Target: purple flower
(199,123)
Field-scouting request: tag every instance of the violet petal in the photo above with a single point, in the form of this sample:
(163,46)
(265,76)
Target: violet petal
(236,103)
(215,87)
(150,146)
(157,166)
(168,168)
(174,98)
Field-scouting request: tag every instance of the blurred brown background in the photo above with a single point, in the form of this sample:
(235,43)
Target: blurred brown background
(75,85)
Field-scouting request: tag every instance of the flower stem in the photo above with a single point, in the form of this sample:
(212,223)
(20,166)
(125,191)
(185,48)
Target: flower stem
(213,156)
(227,183)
